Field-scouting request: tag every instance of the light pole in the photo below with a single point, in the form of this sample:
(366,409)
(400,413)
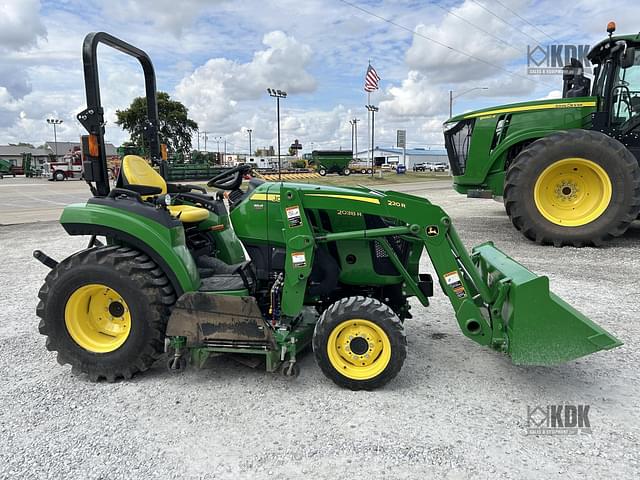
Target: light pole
(373,109)
(354,137)
(278,94)
(198,133)
(249,132)
(54,122)
(452,96)
(205,137)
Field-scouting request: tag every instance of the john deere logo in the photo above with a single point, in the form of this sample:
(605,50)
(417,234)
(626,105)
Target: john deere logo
(558,420)
(432,231)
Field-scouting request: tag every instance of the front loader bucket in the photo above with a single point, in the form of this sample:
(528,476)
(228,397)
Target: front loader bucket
(541,328)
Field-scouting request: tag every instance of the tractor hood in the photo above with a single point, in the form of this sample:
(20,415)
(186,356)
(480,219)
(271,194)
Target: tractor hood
(579,102)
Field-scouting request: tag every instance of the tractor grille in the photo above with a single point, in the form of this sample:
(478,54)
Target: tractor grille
(382,265)
(457,141)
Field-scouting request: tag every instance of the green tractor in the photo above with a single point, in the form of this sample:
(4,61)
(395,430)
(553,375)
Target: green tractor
(567,170)
(283,267)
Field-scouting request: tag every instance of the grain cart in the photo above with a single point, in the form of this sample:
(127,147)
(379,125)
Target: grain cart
(332,161)
(567,170)
(328,267)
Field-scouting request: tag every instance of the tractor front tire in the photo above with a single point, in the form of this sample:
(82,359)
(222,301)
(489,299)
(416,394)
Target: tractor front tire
(322,172)
(575,188)
(359,343)
(346,172)
(104,311)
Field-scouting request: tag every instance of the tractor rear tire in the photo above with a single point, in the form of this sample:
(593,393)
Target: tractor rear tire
(359,343)
(105,311)
(577,188)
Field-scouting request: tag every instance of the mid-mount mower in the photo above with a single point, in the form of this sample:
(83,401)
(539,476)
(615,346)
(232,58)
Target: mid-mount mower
(331,267)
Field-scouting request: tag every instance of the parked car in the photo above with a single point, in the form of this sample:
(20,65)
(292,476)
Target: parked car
(438,167)
(420,167)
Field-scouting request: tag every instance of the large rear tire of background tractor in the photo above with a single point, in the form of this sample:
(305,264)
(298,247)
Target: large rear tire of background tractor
(574,188)
(359,343)
(105,311)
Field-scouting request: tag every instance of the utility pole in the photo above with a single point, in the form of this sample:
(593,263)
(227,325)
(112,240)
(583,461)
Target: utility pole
(249,132)
(373,109)
(278,94)
(198,132)
(225,150)
(204,135)
(217,139)
(55,122)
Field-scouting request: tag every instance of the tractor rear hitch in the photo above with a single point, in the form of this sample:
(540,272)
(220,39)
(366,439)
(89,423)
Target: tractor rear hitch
(45,259)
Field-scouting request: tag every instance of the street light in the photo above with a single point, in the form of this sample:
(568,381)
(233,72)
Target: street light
(54,122)
(452,96)
(354,137)
(278,94)
(249,132)
(373,109)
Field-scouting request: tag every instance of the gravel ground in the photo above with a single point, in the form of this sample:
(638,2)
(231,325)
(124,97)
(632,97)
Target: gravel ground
(455,411)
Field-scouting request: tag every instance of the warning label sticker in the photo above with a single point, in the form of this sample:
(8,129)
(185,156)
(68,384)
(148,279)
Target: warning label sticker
(298,259)
(453,280)
(293,216)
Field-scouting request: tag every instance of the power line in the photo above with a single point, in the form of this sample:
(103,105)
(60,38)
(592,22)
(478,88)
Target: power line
(525,20)
(437,42)
(504,42)
(505,22)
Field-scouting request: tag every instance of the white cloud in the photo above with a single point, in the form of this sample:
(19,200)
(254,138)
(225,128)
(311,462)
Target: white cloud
(164,15)
(20,24)
(213,91)
(416,96)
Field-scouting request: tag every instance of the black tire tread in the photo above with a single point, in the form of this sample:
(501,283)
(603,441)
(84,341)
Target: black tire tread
(354,307)
(154,287)
(515,178)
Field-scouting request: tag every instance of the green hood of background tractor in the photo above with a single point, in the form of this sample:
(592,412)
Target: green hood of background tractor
(533,106)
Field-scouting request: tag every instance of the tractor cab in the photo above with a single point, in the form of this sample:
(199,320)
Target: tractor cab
(616,83)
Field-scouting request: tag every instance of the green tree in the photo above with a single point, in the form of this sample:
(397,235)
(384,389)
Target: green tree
(176,128)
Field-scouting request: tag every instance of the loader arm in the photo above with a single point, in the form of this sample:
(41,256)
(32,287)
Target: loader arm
(497,302)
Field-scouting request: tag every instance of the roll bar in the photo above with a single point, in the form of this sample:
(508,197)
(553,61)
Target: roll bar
(92,118)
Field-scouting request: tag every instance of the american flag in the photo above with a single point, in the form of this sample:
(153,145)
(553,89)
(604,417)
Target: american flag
(371,80)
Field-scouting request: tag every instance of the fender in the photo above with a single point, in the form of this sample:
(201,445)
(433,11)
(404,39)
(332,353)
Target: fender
(118,221)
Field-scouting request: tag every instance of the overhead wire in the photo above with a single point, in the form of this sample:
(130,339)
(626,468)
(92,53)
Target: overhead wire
(444,45)
(525,20)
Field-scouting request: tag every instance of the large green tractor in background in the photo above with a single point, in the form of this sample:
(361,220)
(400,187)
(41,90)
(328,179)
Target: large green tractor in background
(329,267)
(567,170)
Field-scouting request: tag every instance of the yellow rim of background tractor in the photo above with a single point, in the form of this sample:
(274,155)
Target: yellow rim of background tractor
(359,349)
(572,192)
(97,318)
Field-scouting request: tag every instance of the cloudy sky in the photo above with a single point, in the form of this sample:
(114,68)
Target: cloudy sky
(218,57)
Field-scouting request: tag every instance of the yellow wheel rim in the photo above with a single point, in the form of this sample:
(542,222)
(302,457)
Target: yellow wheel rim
(572,192)
(97,318)
(359,349)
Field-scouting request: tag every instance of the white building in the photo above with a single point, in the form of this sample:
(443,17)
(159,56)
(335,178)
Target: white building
(412,156)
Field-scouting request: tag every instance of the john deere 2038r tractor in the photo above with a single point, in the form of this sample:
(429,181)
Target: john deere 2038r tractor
(331,267)
(566,169)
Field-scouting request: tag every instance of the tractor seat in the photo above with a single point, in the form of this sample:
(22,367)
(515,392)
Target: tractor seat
(136,171)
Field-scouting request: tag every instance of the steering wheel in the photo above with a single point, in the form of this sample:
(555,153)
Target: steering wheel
(231,179)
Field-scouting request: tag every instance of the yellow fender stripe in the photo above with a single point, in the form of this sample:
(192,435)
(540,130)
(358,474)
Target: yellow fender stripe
(345,197)
(531,107)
